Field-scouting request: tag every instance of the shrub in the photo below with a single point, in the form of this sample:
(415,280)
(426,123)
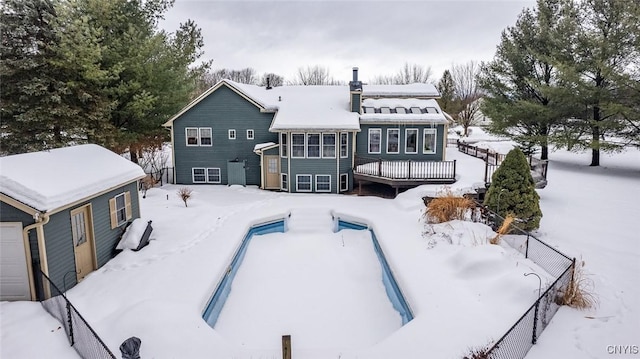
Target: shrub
(512,190)
(478,353)
(580,292)
(185,194)
(447,207)
(505,228)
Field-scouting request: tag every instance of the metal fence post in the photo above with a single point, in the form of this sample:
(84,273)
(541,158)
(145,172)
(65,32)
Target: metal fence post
(535,322)
(70,320)
(526,250)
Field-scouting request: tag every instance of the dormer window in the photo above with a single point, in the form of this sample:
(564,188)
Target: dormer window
(431,110)
(369,110)
(385,110)
(401,110)
(416,110)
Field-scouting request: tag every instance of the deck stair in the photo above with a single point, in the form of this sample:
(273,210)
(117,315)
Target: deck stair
(310,220)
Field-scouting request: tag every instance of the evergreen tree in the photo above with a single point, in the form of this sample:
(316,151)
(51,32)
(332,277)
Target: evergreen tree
(447,92)
(513,191)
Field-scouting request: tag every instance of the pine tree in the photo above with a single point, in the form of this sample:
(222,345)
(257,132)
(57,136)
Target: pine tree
(447,92)
(513,191)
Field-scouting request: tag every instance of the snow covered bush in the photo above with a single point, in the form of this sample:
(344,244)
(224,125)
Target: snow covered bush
(185,194)
(513,191)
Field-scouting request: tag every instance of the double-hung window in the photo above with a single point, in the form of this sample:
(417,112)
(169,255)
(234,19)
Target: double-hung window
(411,140)
(429,141)
(297,145)
(303,183)
(393,140)
(374,140)
(192,136)
(313,145)
(329,145)
(120,209)
(344,145)
(323,183)
(283,145)
(213,175)
(205,175)
(199,136)
(205,137)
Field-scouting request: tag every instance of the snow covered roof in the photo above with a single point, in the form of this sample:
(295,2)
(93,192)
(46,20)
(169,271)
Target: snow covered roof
(304,107)
(262,146)
(428,111)
(51,179)
(411,90)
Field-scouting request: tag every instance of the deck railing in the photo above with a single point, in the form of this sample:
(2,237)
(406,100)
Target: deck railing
(405,169)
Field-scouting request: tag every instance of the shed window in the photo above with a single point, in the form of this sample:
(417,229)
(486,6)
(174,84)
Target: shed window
(323,183)
(329,145)
(297,145)
(313,145)
(393,139)
(120,209)
(374,140)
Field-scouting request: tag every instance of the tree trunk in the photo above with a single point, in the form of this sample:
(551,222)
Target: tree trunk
(595,137)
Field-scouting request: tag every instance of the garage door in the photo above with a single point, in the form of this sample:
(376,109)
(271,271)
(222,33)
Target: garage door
(14,280)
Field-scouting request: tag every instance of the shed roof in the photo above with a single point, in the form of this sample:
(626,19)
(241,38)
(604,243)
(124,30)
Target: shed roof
(51,179)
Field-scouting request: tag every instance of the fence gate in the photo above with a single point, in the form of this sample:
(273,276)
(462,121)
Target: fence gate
(236,172)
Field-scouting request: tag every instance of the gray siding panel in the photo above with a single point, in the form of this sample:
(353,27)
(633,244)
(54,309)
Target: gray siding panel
(362,143)
(222,110)
(313,167)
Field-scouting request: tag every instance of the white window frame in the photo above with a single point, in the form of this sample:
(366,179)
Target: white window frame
(197,136)
(319,144)
(397,144)
(346,182)
(298,183)
(429,131)
(334,145)
(406,140)
(250,134)
(232,134)
(121,211)
(371,131)
(283,145)
(323,190)
(346,145)
(193,174)
(284,182)
(219,175)
(201,136)
(304,144)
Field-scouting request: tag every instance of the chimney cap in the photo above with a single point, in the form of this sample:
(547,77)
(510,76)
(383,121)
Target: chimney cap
(355,68)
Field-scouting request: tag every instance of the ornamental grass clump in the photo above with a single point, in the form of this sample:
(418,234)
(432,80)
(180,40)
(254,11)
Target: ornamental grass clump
(505,228)
(448,207)
(580,293)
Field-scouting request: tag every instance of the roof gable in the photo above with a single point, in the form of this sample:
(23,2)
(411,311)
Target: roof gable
(51,179)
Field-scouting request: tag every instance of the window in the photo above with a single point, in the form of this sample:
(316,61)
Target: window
(205,175)
(344,145)
(205,137)
(284,182)
(213,175)
(432,110)
(313,145)
(120,209)
(250,134)
(232,134)
(323,183)
(411,141)
(369,110)
(429,140)
(393,140)
(401,110)
(197,175)
(192,136)
(374,140)
(385,110)
(283,145)
(344,182)
(297,145)
(303,183)
(329,145)
(416,110)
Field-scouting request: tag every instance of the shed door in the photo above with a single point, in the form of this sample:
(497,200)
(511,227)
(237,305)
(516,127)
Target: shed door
(272,175)
(236,173)
(82,241)
(14,277)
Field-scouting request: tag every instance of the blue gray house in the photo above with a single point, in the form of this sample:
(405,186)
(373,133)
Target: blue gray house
(62,210)
(319,139)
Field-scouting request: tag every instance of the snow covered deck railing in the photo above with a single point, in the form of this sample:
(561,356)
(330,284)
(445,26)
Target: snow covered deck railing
(407,170)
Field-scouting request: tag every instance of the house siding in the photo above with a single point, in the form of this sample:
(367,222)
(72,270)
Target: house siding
(222,110)
(59,242)
(362,143)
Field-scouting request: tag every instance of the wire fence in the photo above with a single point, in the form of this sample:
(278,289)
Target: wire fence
(517,341)
(81,336)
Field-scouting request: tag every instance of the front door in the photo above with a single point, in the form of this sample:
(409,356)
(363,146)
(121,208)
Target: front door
(82,241)
(272,177)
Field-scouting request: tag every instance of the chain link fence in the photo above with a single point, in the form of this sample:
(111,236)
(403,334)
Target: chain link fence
(80,334)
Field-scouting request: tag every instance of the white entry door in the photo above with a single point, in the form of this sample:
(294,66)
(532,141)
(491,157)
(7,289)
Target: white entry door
(14,276)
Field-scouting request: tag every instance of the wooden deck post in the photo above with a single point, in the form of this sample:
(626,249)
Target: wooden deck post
(286,347)
(380,167)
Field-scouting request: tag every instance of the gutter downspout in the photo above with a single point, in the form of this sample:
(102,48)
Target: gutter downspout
(43,219)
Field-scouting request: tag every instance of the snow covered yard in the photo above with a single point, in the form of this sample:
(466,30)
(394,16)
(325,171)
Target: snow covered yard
(462,294)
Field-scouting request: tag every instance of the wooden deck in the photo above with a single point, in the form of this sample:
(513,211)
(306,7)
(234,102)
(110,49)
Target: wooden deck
(403,174)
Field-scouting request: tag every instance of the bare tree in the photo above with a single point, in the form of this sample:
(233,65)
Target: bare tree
(314,75)
(384,80)
(408,74)
(466,93)
(275,80)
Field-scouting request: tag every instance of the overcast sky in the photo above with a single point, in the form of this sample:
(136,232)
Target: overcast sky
(378,37)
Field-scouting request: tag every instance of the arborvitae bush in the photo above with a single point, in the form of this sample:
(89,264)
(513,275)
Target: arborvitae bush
(513,185)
